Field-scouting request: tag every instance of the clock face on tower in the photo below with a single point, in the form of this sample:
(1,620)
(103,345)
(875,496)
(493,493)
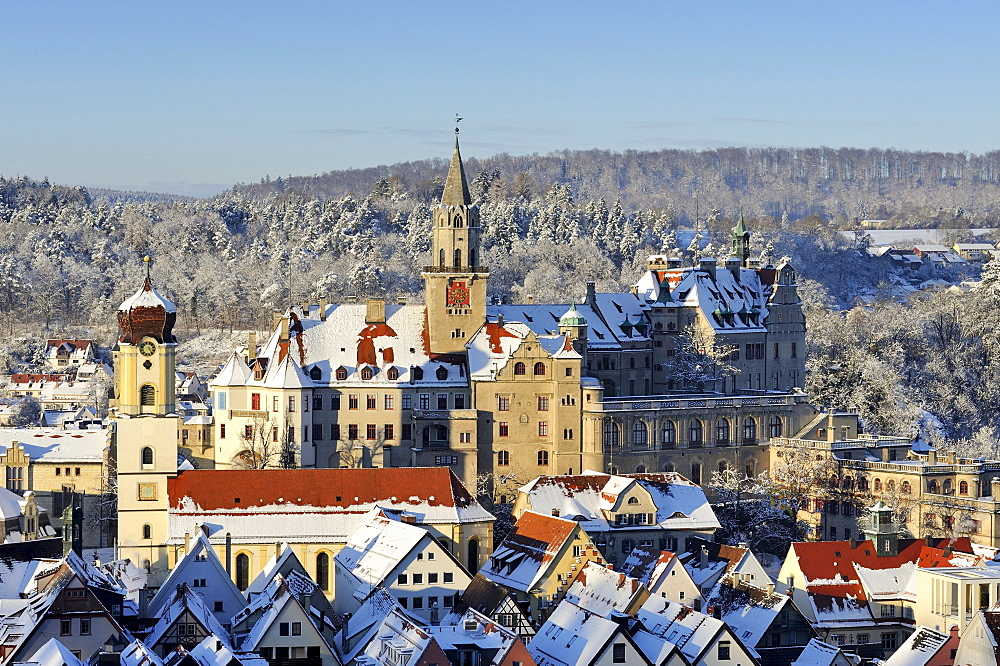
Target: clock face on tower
(458,295)
(147,348)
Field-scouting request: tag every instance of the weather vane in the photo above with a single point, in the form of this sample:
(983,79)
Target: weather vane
(457,121)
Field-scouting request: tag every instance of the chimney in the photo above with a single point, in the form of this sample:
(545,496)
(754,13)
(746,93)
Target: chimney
(275,319)
(674,262)
(855,543)
(591,297)
(555,513)
(733,265)
(995,488)
(770,588)
(500,320)
(929,541)
(343,632)
(187,543)
(531,299)
(717,612)
(143,601)
(704,557)
(305,308)
(306,600)
(885,454)
(709,265)
(322,307)
(953,457)
(408,518)
(374,311)
(932,457)
(229,553)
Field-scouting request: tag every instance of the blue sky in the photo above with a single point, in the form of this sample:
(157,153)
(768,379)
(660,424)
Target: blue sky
(191,97)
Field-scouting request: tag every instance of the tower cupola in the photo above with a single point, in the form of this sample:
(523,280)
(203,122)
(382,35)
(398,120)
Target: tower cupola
(146,314)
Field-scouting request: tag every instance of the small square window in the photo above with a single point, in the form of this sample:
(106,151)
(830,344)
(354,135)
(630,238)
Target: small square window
(402,579)
(449,577)
(418,579)
(432,578)
(283,629)
(296,628)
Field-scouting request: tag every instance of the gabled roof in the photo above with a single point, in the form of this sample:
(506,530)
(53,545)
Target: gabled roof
(268,607)
(479,630)
(524,556)
(286,374)
(920,648)
(572,635)
(54,653)
(375,550)
(312,504)
(750,611)
(484,595)
(203,561)
(360,628)
(600,590)
(137,654)
(818,653)
(692,632)
(184,600)
(398,631)
(234,373)
(650,566)
(283,561)
(587,497)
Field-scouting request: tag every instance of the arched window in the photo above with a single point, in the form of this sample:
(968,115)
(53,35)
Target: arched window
(458,222)
(341,374)
(862,484)
(539,368)
(890,486)
(633,500)
(392,374)
(472,257)
(696,473)
(242,571)
(847,483)
(147,455)
(750,468)
(315,373)
(723,466)
(722,431)
(904,487)
(503,458)
(441,373)
(749,430)
(473,560)
(640,437)
(774,426)
(323,571)
(694,433)
(946,487)
(668,440)
(639,469)
(877,485)
(519,368)
(441,258)
(543,457)
(458,258)
(147,395)
(147,532)
(669,467)
(610,433)
(963,488)
(366,373)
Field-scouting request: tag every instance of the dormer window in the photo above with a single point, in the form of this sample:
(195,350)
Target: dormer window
(341,374)
(633,500)
(366,373)
(392,374)
(418,373)
(315,373)
(442,373)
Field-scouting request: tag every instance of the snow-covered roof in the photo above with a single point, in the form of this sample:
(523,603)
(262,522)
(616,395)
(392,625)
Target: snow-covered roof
(376,549)
(817,653)
(202,560)
(57,445)
(649,566)
(475,628)
(399,631)
(312,505)
(185,601)
(571,635)
(889,583)
(604,318)
(523,558)
(54,653)
(360,628)
(588,499)
(137,654)
(146,297)
(494,344)
(751,620)
(603,591)
(692,632)
(234,373)
(919,648)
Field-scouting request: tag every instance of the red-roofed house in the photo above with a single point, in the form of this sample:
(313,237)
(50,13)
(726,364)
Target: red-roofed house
(64,353)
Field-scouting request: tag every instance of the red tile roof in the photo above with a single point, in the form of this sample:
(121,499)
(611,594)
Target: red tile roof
(835,560)
(233,489)
(540,530)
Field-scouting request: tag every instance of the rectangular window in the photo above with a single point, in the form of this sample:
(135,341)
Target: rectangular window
(418,603)
(335,402)
(296,628)
(465,437)
(449,577)
(317,402)
(407,401)
(370,401)
(618,653)
(504,429)
(796,355)
(459,401)
(85,626)
(222,431)
(352,401)
(305,433)
(283,629)
(274,403)
(425,401)
(445,460)
(432,578)
(318,432)
(404,602)
(352,431)
(220,398)
(442,401)
(389,430)
(274,434)
(418,579)
(407,431)
(219,607)
(503,403)
(627,546)
(863,639)
(291,403)
(248,432)
(65,627)
(724,650)
(543,403)
(335,431)
(389,402)
(255,402)
(401,579)
(889,641)
(370,431)
(543,428)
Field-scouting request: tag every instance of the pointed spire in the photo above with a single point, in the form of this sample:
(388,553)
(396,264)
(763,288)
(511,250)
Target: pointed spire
(148,284)
(456,189)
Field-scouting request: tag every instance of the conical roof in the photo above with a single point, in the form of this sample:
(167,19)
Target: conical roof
(741,228)
(572,318)
(456,188)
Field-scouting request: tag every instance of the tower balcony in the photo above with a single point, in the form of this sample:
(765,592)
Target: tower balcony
(456,269)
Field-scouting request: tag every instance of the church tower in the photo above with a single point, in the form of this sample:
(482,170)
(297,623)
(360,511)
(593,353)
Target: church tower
(455,285)
(144,356)
(145,437)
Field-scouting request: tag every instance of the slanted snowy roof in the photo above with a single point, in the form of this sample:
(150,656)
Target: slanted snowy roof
(888,583)
(234,373)
(57,445)
(648,566)
(600,590)
(751,620)
(475,628)
(286,374)
(146,297)
(817,653)
(54,653)
(311,505)
(184,600)
(920,648)
(137,654)
(408,639)
(571,635)
(361,628)
(692,632)
(376,549)
(523,558)
(588,498)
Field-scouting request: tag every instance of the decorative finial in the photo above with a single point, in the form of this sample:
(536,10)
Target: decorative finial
(149,263)
(457,121)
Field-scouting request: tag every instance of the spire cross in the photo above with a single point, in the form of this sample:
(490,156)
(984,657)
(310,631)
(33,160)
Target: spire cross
(457,121)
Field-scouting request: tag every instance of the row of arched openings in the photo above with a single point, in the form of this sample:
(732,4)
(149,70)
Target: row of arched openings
(641,438)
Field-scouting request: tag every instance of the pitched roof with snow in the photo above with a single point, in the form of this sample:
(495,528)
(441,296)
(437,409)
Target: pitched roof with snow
(57,445)
(604,317)
(692,632)
(494,344)
(588,498)
(647,566)
(817,653)
(404,637)
(185,601)
(137,654)
(920,648)
(475,628)
(524,556)
(753,614)
(312,505)
(376,549)
(729,303)
(600,590)
(54,653)
(571,635)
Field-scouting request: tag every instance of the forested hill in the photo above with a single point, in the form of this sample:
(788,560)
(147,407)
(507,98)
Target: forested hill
(836,184)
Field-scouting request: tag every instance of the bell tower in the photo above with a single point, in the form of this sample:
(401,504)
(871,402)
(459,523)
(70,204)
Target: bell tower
(145,435)
(144,356)
(883,531)
(741,241)
(455,284)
